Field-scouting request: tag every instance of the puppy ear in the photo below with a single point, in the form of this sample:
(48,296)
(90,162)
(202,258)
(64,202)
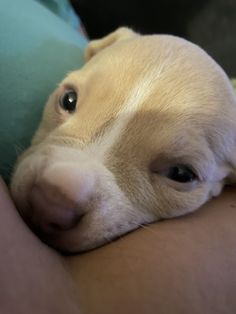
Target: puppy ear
(95,46)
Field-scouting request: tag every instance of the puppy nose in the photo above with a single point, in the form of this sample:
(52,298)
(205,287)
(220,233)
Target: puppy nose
(51,210)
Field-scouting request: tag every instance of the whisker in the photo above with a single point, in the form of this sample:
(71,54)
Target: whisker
(147,227)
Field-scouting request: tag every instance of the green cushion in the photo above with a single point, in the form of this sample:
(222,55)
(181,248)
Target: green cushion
(37,49)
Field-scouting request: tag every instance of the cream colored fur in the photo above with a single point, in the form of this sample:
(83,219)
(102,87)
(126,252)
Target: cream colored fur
(143,101)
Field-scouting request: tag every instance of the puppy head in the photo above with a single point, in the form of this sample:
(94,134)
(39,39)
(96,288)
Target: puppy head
(145,130)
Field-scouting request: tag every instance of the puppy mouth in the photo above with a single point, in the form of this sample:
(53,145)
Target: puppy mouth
(72,241)
(54,237)
(60,242)
(54,240)
(66,243)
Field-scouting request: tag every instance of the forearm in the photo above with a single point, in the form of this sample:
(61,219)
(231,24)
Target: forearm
(32,276)
(180,266)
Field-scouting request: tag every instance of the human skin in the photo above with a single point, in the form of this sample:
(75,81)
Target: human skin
(33,278)
(184,265)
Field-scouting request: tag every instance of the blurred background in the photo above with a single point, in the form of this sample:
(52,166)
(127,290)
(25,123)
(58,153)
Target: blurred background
(208,23)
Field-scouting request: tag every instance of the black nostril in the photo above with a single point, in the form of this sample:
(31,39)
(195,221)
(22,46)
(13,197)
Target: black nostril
(68,223)
(54,226)
(48,227)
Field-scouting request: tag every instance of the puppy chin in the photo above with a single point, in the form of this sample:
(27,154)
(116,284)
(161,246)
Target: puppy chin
(69,243)
(96,229)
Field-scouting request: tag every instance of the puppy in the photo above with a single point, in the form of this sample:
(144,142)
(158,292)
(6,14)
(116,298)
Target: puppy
(146,130)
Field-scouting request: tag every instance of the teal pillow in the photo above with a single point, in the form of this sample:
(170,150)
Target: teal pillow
(63,9)
(37,49)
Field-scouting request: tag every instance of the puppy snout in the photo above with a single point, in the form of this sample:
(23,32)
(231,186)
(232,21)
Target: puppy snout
(59,197)
(51,211)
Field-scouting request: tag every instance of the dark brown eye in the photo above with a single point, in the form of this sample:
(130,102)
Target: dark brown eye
(68,101)
(181,173)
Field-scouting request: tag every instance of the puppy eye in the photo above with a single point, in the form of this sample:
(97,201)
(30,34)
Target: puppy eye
(68,100)
(181,173)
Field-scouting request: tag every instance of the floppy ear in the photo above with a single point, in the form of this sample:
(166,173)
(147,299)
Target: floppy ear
(95,46)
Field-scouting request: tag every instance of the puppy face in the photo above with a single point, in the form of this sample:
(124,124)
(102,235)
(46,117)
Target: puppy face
(145,130)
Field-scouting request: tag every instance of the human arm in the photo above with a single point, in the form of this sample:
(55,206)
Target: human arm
(33,278)
(184,265)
